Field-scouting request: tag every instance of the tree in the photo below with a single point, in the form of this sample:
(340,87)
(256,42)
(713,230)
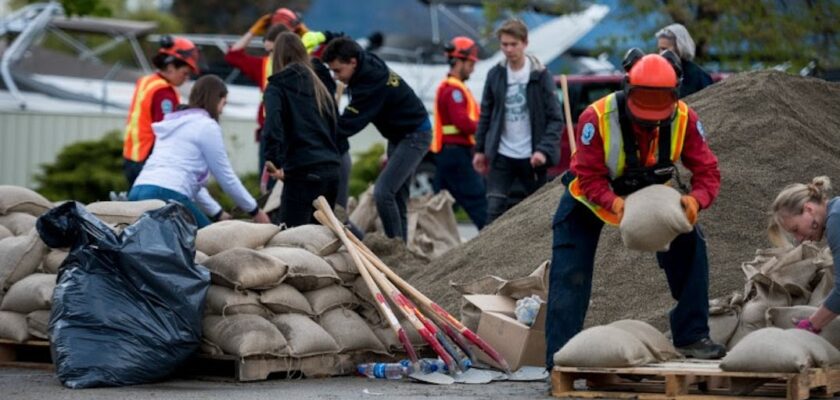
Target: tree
(742,33)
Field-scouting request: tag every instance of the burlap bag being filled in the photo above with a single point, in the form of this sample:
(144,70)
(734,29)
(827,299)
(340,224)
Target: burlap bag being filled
(220,236)
(653,217)
(20,199)
(777,350)
(244,335)
(122,212)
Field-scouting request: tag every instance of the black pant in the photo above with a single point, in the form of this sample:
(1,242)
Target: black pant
(301,188)
(131,170)
(503,172)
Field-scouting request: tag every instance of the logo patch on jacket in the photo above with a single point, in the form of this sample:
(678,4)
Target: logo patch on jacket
(587,134)
(457,96)
(166,106)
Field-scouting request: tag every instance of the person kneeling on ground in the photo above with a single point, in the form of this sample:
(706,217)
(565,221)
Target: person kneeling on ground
(188,148)
(805,212)
(647,130)
(300,133)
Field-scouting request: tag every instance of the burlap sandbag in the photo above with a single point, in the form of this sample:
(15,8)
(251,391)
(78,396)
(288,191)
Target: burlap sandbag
(783,317)
(656,342)
(343,265)
(653,217)
(752,313)
(20,256)
(603,346)
(390,340)
(274,198)
(21,199)
(534,284)
(212,349)
(122,212)
(31,293)
(470,315)
(18,223)
(370,313)
(241,268)
(306,270)
(38,324)
(722,326)
(13,326)
(776,350)
(330,297)
(317,239)
(244,335)
(304,336)
(361,289)
(432,229)
(350,331)
(53,260)
(822,289)
(220,236)
(5,232)
(200,257)
(285,299)
(226,301)
(489,284)
(364,216)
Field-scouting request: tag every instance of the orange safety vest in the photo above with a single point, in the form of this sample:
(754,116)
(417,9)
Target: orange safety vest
(439,128)
(609,127)
(139,137)
(268,69)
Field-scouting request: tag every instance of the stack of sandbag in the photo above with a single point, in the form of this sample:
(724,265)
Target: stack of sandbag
(780,350)
(24,294)
(776,278)
(625,343)
(119,214)
(535,283)
(286,293)
(432,228)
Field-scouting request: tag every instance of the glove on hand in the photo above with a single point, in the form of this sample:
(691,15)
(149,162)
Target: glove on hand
(691,207)
(259,27)
(618,208)
(805,324)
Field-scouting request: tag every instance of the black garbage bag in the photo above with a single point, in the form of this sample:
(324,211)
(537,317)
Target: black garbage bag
(126,309)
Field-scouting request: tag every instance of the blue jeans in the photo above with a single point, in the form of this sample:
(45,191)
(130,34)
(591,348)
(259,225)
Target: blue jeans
(455,173)
(151,192)
(503,172)
(576,231)
(392,187)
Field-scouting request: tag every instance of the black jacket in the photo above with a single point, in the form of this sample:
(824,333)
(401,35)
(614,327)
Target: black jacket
(296,135)
(543,109)
(380,96)
(694,79)
(326,78)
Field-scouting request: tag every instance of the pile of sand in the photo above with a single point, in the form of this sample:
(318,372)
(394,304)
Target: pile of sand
(768,129)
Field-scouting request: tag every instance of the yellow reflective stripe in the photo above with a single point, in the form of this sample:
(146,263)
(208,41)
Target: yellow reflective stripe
(602,213)
(450,130)
(147,85)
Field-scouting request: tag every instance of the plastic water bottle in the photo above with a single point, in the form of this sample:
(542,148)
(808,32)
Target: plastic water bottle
(382,370)
(426,365)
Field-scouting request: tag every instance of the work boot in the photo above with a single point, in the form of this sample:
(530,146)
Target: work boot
(704,349)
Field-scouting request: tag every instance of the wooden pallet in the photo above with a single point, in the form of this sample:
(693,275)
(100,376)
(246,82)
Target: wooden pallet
(261,368)
(692,379)
(29,354)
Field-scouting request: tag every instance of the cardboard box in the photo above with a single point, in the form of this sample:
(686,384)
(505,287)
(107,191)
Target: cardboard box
(518,343)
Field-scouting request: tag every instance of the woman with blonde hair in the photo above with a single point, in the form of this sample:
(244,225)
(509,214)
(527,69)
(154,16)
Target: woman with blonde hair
(806,212)
(300,132)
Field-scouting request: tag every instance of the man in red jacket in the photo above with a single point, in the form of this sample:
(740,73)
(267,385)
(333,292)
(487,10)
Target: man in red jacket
(453,140)
(646,130)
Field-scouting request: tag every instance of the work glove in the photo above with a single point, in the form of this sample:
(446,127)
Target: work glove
(259,27)
(618,208)
(806,325)
(691,207)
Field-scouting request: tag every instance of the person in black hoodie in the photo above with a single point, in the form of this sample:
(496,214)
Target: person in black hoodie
(300,132)
(379,96)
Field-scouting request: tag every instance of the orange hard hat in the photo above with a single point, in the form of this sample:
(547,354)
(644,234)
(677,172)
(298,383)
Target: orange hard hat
(651,83)
(181,49)
(463,48)
(286,17)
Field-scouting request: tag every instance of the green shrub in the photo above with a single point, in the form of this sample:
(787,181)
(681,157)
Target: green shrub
(366,168)
(85,171)
(252,184)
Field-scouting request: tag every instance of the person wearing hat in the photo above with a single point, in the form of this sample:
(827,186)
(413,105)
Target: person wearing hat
(625,141)
(453,132)
(676,38)
(156,95)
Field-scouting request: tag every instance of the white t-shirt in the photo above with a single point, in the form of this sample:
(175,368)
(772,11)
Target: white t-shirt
(516,135)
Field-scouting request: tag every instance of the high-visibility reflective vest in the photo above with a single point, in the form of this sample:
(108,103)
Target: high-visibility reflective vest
(439,128)
(268,68)
(139,137)
(609,127)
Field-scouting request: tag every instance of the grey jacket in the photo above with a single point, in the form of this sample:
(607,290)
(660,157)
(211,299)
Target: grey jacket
(543,108)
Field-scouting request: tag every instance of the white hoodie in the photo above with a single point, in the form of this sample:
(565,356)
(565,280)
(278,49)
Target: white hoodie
(188,148)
